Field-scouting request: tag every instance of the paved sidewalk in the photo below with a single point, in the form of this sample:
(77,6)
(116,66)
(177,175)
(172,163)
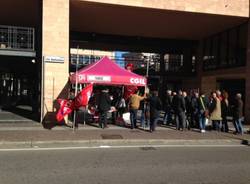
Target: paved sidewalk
(29,134)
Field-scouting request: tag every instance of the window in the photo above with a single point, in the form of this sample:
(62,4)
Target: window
(242,45)
(223,49)
(173,62)
(232,46)
(226,49)
(73,59)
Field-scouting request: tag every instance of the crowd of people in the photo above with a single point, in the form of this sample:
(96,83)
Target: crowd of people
(194,111)
(182,110)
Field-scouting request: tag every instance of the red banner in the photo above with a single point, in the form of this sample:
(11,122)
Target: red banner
(67,106)
(82,98)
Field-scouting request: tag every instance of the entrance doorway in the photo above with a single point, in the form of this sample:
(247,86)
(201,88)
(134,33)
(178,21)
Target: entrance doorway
(19,89)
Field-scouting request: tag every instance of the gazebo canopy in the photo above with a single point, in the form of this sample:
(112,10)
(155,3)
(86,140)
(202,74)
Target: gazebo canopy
(107,72)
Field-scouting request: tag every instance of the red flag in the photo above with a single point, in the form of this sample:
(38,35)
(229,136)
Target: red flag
(129,90)
(65,108)
(82,98)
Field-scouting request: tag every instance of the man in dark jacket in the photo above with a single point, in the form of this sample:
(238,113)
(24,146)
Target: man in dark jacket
(238,114)
(167,108)
(104,105)
(195,110)
(179,110)
(155,107)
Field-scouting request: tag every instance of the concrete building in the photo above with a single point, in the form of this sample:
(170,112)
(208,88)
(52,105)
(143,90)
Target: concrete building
(211,38)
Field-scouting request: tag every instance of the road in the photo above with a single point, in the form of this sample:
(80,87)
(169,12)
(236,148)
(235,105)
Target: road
(172,165)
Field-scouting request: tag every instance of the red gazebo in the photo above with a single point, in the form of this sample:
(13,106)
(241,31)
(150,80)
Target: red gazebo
(107,72)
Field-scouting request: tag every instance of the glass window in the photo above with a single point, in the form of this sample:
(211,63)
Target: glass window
(193,69)
(207,56)
(242,47)
(214,59)
(86,59)
(81,60)
(223,49)
(232,46)
(174,62)
(73,59)
(166,62)
(227,49)
(156,60)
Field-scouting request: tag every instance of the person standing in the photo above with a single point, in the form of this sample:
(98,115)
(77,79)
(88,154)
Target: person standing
(179,110)
(155,107)
(224,111)
(134,104)
(188,100)
(104,105)
(121,106)
(167,108)
(215,111)
(144,113)
(238,114)
(218,94)
(195,110)
(203,112)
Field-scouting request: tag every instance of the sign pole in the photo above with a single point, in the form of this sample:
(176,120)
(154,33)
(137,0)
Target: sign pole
(148,59)
(76,86)
(147,66)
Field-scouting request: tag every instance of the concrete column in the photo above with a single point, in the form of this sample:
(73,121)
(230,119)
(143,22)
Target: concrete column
(55,42)
(247,92)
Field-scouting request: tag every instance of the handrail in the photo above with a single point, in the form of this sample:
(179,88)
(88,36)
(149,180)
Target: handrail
(17,38)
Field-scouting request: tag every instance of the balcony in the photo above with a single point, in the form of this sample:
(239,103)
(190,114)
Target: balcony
(17,41)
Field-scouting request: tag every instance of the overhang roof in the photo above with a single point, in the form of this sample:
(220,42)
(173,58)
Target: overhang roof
(146,22)
(20,12)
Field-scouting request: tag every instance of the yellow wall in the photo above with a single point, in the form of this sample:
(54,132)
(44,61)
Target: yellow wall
(221,7)
(55,43)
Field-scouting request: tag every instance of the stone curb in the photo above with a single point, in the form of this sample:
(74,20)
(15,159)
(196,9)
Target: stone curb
(123,142)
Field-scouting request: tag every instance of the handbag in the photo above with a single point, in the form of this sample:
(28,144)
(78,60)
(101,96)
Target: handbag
(206,111)
(206,121)
(126,117)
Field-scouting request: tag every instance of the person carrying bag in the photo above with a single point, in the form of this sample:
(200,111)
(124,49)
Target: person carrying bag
(203,113)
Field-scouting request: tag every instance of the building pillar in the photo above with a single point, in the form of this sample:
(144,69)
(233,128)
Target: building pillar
(55,52)
(247,87)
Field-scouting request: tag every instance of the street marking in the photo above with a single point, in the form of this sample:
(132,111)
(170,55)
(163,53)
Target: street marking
(37,148)
(105,146)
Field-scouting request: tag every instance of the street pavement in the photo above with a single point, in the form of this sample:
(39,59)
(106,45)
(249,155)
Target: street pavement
(33,135)
(142,165)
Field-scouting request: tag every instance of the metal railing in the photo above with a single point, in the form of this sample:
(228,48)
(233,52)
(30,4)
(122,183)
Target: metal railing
(17,38)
